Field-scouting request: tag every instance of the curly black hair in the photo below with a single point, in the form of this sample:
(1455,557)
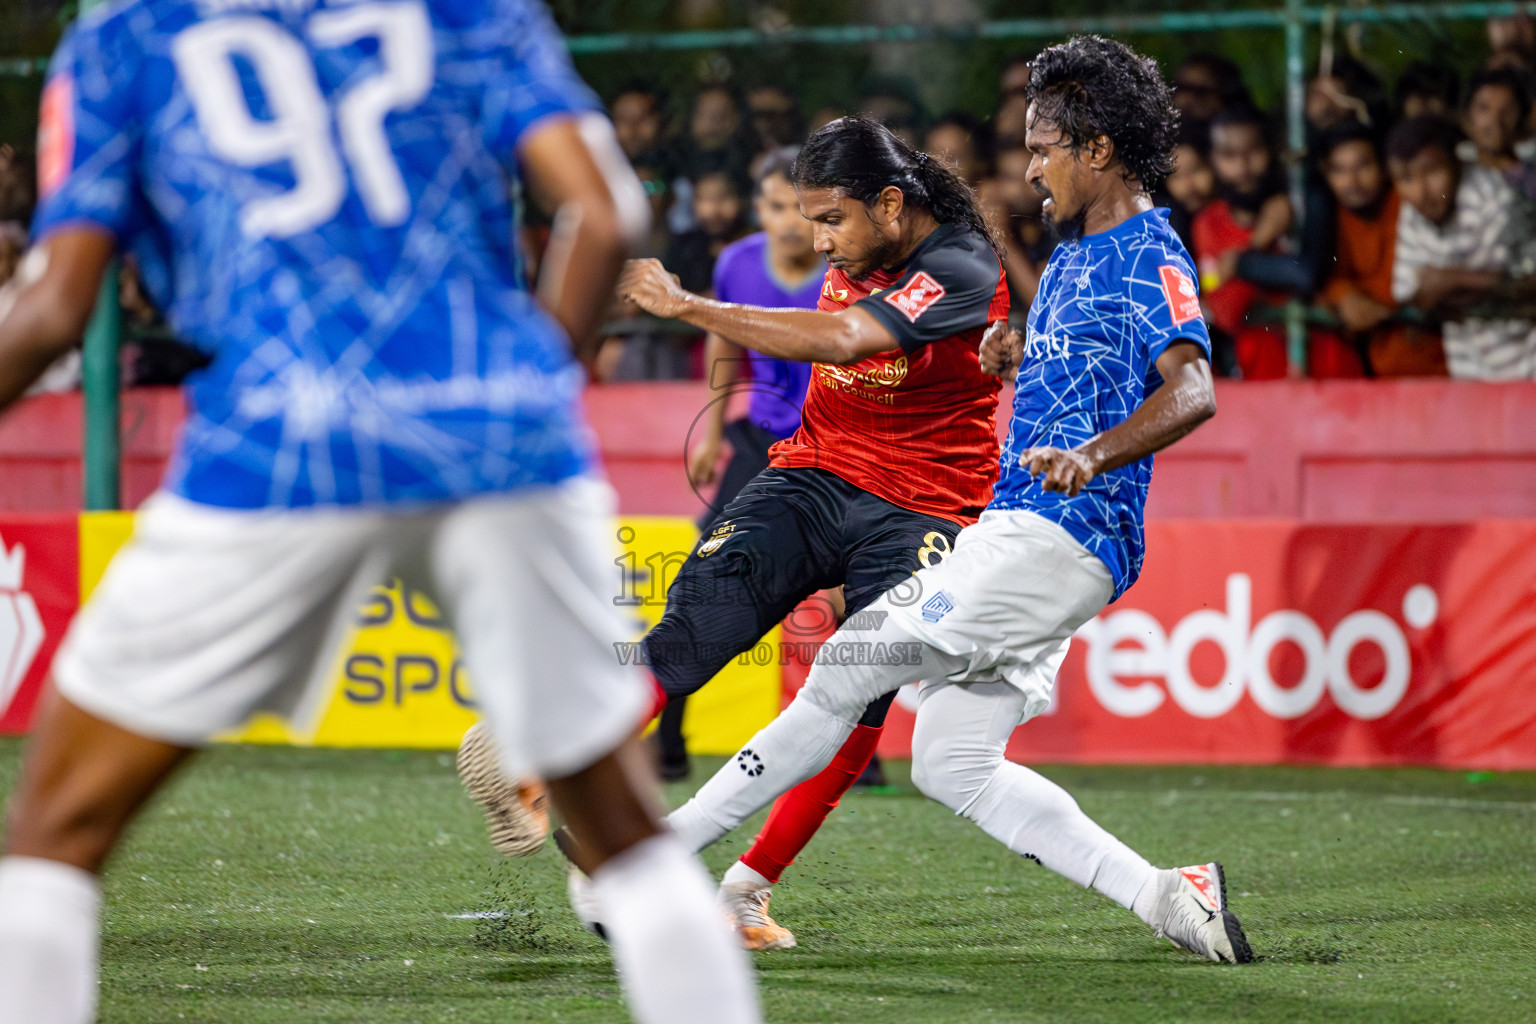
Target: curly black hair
(1090,87)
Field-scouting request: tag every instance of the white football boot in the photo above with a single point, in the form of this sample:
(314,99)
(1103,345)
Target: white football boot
(1191,912)
(746,904)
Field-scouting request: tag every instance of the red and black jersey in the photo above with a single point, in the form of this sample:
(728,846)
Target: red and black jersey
(913,425)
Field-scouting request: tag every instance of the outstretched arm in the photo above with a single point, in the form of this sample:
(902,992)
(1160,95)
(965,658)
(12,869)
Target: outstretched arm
(1186,400)
(45,307)
(803,334)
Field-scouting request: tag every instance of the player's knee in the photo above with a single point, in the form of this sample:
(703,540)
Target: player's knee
(844,691)
(952,769)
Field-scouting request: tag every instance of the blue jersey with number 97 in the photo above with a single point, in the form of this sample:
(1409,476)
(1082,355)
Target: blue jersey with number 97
(320,194)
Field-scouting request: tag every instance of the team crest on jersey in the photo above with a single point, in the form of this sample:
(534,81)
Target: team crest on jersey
(718,536)
(836,294)
(938,606)
(1179,290)
(914,298)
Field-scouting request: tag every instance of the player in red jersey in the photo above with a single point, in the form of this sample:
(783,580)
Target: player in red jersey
(895,453)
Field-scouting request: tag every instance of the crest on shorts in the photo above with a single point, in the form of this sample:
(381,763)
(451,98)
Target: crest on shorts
(21,628)
(718,536)
(1179,290)
(938,606)
(914,297)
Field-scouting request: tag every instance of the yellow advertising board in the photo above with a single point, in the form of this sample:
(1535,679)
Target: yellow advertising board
(398,681)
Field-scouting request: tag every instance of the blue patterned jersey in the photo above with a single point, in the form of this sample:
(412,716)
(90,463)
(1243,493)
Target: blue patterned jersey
(320,194)
(1109,305)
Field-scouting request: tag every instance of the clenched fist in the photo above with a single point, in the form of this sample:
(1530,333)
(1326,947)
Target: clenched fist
(647,284)
(1002,350)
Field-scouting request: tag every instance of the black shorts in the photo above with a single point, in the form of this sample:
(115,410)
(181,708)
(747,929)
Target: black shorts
(788,534)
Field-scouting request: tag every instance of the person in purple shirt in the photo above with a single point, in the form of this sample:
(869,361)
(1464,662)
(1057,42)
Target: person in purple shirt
(776,268)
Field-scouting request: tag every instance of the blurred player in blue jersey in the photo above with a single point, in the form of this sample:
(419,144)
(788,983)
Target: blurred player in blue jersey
(321,196)
(1113,368)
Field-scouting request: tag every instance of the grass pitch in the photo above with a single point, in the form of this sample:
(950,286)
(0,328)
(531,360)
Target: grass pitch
(277,886)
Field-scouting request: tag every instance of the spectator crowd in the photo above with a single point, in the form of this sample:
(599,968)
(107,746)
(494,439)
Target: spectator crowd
(1413,251)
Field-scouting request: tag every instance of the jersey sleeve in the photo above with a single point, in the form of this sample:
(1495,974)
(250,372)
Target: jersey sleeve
(944,291)
(534,78)
(89,132)
(1164,295)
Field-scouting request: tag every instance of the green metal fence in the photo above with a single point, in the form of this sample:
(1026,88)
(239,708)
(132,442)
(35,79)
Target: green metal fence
(1293,19)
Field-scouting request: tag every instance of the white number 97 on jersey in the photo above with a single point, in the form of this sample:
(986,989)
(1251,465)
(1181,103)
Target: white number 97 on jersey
(299,128)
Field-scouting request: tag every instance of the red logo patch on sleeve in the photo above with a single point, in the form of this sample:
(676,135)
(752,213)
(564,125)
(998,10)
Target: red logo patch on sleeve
(914,298)
(1183,298)
(56,134)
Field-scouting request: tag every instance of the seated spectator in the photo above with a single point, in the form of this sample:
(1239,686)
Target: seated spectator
(894,103)
(638,122)
(1206,84)
(775,118)
(1347,90)
(716,137)
(1498,103)
(1192,185)
(962,142)
(1461,244)
(1010,120)
(1428,90)
(1013,207)
(719,217)
(1014,76)
(1251,212)
(1359,289)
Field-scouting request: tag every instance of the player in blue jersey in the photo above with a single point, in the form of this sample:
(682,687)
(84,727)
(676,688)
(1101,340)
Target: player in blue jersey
(1114,367)
(321,197)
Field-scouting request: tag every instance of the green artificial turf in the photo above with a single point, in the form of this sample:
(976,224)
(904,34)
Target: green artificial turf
(278,886)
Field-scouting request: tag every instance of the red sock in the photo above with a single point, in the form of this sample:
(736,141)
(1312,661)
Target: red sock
(658,700)
(799,813)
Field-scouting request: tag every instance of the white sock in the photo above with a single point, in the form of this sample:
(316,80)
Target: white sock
(1145,903)
(786,752)
(1033,816)
(678,960)
(739,872)
(49,942)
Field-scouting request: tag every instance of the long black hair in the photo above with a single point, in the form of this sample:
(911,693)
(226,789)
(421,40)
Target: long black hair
(861,157)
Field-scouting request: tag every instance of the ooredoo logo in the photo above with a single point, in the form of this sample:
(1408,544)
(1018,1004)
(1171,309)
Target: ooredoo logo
(21,628)
(1131,644)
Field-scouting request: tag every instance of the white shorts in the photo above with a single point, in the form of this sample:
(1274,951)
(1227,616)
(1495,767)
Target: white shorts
(208,615)
(1006,602)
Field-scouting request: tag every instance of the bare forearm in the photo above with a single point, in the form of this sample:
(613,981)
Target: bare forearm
(800,334)
(722,368)
(1171,412)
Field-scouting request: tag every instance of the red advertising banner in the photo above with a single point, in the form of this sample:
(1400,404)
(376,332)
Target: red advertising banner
(39,589)
(1265,642)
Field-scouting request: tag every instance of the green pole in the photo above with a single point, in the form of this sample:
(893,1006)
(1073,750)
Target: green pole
(1296,138)
(99,382)
(102,455)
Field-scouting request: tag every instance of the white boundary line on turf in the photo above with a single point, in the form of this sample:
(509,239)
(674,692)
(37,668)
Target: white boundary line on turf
(1448,802)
